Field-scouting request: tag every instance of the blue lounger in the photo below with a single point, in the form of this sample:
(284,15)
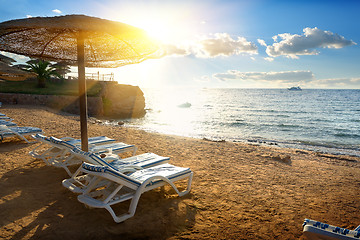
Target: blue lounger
(20,132)
(59,155)
(47,150)
(5,118)
(7,123)
(318,230)
(79,181)
(121,187)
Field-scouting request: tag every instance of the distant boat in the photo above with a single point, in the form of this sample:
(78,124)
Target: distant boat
(295,89)
(185,105)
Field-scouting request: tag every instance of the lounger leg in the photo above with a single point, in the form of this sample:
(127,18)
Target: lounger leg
(78,182)
(21,137)
(68,171)
(46,156)
(65,164)
(188,188)
(93,183)
(136,197)
(132,208)
(186,191)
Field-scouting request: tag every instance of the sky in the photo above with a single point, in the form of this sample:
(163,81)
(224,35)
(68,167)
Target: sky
(228,43)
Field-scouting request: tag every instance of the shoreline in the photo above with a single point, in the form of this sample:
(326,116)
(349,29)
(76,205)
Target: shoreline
(240,191)
(297,121)
(316,148)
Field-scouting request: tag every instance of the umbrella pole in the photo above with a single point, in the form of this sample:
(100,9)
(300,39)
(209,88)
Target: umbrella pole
(82,91)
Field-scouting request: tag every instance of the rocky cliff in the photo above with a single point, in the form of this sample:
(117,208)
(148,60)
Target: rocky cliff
(122,101)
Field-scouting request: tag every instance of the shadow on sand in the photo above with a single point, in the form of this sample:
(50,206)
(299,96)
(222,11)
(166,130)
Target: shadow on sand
(34,204)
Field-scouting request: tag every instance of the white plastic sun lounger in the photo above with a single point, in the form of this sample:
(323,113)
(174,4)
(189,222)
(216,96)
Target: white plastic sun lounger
(318,231)
(5,118)
(122,187)
(79,181)
(7,123)
(62,157)
(47,150)
(19,132)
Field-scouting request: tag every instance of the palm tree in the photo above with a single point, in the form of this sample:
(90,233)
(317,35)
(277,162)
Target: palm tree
(43,69)
(62,69)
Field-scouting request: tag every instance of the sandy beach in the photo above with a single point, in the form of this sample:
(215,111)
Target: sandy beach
(239,191)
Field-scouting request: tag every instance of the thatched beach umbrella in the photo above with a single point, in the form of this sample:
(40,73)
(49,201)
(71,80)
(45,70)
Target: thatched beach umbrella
(77,40)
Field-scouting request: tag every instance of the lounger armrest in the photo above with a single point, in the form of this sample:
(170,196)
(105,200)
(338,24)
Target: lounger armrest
(93,168)
(130,169)
(67,138)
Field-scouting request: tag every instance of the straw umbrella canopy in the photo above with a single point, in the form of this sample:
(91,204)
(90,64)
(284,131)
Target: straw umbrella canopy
(78,40)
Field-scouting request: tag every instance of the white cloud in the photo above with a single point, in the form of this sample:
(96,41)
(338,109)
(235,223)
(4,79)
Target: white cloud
(224,45)
(336,83)
(262,42)
(170,49)
(305,79)
(57,11)
(29,16)
(221,45)
(269,59)
(280,77)
(307,44)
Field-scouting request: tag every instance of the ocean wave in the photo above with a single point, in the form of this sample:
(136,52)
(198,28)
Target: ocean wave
(284,125)
(238,122)
(347,135)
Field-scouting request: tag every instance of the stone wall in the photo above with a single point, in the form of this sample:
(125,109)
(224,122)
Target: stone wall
(68,104)
(115,101)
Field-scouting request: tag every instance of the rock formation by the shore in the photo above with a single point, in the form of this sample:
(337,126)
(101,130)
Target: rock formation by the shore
(122,101)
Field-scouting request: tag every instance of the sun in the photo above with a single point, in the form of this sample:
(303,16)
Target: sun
(158,29)
(167,29)
(165,25)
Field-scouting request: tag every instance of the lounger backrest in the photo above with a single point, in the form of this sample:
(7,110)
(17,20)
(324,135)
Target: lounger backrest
(89,157)
(7,123)
(19,130)
(61,143)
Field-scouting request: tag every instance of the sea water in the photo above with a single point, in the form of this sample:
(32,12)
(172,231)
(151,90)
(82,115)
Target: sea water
(319,120)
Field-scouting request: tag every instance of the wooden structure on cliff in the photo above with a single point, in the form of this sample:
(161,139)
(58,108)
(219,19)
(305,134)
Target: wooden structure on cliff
(96,76)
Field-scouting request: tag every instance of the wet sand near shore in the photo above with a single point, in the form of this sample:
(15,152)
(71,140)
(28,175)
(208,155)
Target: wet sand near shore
(239,191)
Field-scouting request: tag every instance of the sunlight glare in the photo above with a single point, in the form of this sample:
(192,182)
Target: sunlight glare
(157,29)
(162,24)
